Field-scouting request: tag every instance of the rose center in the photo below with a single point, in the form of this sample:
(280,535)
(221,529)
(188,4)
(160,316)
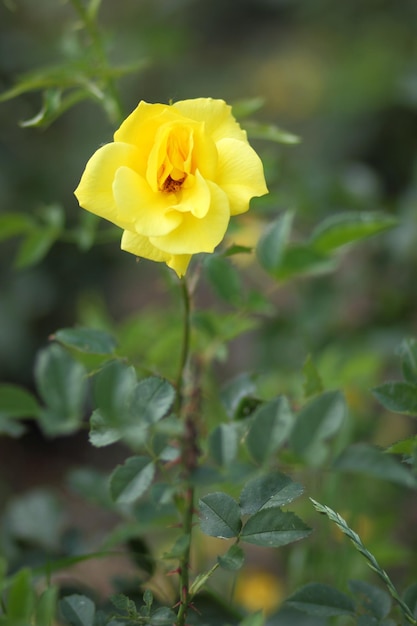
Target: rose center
(171,185)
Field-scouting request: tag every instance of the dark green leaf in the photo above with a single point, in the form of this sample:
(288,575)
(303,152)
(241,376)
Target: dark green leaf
(223,444)
(321,600)
(410,598)
(273,528)
(113,389)
(152,399)
(220,516)
(89,340)
(272,490)
(370,599)
(17,402)
(319,420)
(302,260)
(62,383)
(78,610)
(369,460)
(233,559)
(408,352)
(271,246)
(271,425)
(231,395)
(399,397)
(129,481)
(339,230)
(101,434)
(225,279)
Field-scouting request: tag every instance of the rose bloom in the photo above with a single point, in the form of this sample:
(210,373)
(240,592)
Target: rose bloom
(172,178)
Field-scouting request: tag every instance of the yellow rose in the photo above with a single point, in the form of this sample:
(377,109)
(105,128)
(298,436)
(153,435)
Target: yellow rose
(172,178)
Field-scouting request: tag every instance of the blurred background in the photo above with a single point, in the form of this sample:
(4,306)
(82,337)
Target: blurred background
(342,75)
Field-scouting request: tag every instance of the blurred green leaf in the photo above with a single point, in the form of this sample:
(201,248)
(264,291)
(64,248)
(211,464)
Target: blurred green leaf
(270,427)
(21,597)
(367,459)
(273,528)
(224,278)
(318,421)
(399,397)
(151,399)
(16,401)
(89,340)
(35,247)
(62,384)
(101,432)
(339,230)
(163,616)
(128,482)
(410,598)
(46,607)
(78,610)
(408,353)
(271,490)
(236,390)
(12,224)
(370,599)
(113,389)
(219,516)
(302,260)
(321,600)
(312,384)
(247,106)
(270,132)
(254,619)
(272,244)
(233,559)
(223,444)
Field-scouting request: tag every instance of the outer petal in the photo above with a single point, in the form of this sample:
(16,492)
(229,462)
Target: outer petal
(216,114)
(196,199)
(240,174)
(141,246)
(94,191)
(147,212)
(196,235)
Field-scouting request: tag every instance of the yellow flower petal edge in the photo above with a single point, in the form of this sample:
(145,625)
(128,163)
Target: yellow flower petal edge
(172,178)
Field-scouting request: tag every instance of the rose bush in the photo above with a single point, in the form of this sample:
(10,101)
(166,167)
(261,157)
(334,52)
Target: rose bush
(172,179)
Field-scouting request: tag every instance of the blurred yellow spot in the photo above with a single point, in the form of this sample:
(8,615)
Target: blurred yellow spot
(259,590)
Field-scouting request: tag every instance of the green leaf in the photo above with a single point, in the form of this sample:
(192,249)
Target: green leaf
(271,246)
(17,402)
(319,420)
(321,600)
(220,516)
(223,444)
(369,460)
(101,433)
(78,610)
(271,425)
(272,490)
(12,224)
(21,597)
(371,599)
(408,352)
(303,260)
(163,617)
(247,106)
(270,132)
(46,607)
(312,384)
(224,279)
(272,528)
(35,246)
(410,598)
(129,481)
(233,559)
(339,230)
(255,619)
(88,340)
(62,384)
(113,390)
(236,390)
(179,548)
(399,397)
(152,399)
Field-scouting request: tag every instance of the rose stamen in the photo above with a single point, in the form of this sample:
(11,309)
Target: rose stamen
(171,185)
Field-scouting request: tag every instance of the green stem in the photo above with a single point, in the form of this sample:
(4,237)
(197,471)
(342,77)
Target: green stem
(180,382)
(184,565)
(114,106)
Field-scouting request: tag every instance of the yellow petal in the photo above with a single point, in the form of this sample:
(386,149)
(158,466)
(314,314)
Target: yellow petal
(141,246)
(195,199)
(95,192)
(179,263)
(216,114)
(240,174)
(148,213)
(196,235)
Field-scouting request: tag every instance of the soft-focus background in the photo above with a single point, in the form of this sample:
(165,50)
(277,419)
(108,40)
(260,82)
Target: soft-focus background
(342,75)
